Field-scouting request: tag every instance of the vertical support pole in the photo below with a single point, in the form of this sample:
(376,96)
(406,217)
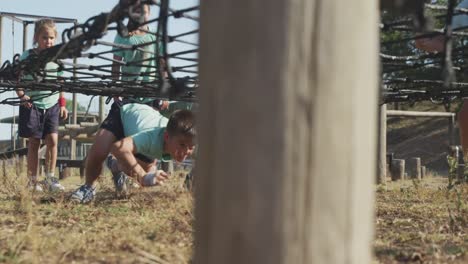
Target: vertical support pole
(460,163)
(101,108)
(23,143)
(451,134)
(382,171)
(1,37)
(74,121)
(74,113)
(25,35)
(288,128)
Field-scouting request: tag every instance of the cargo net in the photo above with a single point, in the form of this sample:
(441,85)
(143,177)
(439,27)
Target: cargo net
(169,66)
(411,73)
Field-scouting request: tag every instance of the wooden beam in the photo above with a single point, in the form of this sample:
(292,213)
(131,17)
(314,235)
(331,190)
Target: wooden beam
(418,114)
(288,129)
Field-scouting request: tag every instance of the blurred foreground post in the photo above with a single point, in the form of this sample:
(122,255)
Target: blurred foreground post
(288,131)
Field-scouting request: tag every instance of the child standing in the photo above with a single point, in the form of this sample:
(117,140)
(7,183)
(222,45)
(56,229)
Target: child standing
(140,63)
(40,111)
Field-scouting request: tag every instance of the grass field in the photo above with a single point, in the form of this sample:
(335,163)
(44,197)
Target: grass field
(153,226)
(422,222)
(415,223)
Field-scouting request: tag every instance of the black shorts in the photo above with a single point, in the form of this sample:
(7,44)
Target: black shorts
(143,158)
(113,121)
(37,123)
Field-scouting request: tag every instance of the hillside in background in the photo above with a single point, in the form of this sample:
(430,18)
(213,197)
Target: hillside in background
(427,138)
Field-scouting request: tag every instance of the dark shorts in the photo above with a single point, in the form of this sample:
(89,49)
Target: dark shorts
(113,121)
(37,123)
(143,158)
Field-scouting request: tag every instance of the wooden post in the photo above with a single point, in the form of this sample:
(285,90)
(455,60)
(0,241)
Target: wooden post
(459,156)
(423,172)
(74,114)
(288,131)
(25,35)
(382,174)
(101,109)
(451,126)
(398,169)
(74,122)
(414,168)
(1,39)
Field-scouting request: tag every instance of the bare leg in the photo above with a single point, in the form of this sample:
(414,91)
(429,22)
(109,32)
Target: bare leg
(51,141)
(97,154)
(33,157)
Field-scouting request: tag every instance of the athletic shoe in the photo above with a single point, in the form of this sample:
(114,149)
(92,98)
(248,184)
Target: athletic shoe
(34,187)
(85,194)
(188,182)
(120,180)
(53,184)
(110,161)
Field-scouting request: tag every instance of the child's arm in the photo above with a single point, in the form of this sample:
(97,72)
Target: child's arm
(25,100)
(63,106)
(123,151)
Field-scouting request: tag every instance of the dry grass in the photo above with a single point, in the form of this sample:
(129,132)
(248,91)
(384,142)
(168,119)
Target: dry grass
(153,226)
(420,222)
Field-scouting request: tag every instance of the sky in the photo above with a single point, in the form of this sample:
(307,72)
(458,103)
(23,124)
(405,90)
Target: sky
(12,33)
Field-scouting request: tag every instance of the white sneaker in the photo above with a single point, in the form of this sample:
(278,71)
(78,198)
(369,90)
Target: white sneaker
(54,185)
(34,187)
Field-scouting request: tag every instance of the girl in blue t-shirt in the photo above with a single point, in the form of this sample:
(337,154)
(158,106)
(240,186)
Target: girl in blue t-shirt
(40,112)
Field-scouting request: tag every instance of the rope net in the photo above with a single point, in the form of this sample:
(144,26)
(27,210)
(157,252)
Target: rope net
(410,73)
(166,69)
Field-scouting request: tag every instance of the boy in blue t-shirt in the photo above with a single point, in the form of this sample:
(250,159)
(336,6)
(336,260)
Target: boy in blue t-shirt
(176,141)
(152,141)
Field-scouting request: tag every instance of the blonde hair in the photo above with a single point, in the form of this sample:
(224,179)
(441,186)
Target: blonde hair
(40,25)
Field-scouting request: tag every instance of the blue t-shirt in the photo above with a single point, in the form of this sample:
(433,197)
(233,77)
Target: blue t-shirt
(139,117)
(150,142)
(146,126)
(43,99)
(141,60)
